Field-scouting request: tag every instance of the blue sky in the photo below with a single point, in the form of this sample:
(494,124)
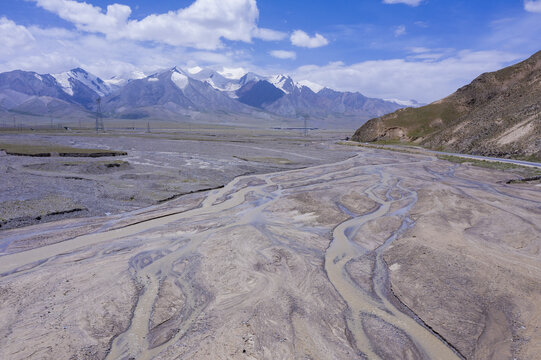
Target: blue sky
(394,49)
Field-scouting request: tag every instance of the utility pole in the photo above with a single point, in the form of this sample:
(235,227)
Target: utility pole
(99,117)
(305,126)
(148,127)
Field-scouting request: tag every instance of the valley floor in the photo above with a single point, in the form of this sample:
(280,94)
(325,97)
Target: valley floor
(375,255)
(157,167)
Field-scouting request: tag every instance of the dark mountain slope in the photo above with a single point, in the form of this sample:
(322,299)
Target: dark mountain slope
(30,83)
(258,94)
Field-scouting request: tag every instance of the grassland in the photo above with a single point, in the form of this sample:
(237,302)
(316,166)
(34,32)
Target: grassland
(419,122)
(525,171)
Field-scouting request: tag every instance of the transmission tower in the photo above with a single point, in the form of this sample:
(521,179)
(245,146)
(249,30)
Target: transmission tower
(99,117)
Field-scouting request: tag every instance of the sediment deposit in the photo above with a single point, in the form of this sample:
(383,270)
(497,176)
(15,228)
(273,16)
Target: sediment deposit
(383,255)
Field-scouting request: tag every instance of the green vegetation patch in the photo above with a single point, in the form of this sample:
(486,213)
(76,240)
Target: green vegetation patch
(51,150)
(392,142)
(418,121)
(381,146)
(526,171)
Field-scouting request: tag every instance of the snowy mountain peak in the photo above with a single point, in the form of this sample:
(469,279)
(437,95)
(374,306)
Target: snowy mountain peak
(116,82)
(178,70)
(215,79)
(63,80)
(79,70)
(250,76)
(282,82)
(179,79)
(311,85)
(68,80)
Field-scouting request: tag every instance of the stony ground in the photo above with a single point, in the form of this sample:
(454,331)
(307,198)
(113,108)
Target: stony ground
(159,166)
(382,255)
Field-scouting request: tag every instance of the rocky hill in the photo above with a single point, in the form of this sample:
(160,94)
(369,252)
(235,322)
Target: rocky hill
(497,114)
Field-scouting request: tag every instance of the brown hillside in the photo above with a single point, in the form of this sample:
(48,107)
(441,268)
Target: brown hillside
(497,114)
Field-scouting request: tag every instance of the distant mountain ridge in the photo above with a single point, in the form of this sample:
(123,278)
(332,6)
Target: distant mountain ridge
(26,92)
(176,94)
(498,114)
(169,92)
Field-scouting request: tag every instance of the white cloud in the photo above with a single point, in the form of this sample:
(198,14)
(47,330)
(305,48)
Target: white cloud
(88,17)
(13,37)
(311,85)
(423,53)
(513,33)
(426,56)
(56,50)
(302,39)
(532,6)
(201,25)
(283,54)
(407,2)
(232,73)
(400,30)
(268,34)
(422,80)
(419,50)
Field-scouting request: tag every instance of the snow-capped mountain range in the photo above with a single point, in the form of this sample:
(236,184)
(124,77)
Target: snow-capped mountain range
(68,80)
(174,94)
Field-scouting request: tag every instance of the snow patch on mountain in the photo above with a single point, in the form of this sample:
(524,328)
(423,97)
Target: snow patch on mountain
(228,87)
(195,70)
(119,81)
(232,73)
(94,83)
(180,80)
(311,85)
(410,103)
(214,79)
(282,82)
(63,80)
